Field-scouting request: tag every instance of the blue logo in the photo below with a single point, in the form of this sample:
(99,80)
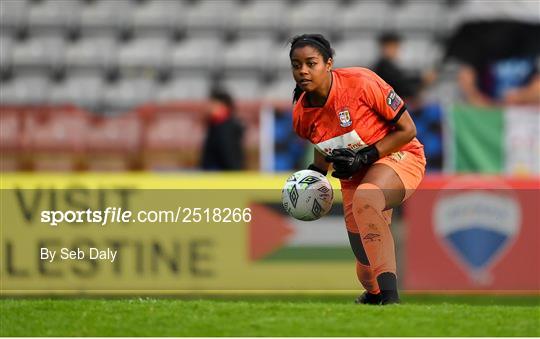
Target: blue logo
(477,227)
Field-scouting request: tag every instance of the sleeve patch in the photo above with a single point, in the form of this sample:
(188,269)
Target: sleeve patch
(393,100)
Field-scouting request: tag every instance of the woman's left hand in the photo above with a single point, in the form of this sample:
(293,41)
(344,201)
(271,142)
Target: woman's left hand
(346,162)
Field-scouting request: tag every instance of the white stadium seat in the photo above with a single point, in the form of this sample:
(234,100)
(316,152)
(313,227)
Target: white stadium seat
(312,16)
(54,14)
(6,45)
(105,14)
(417,15)
(199,52)
(278,59)
(281,89)
(157,14)
(261,15)
(190,42)
(13,13)
(213,15)
(355,52)
(147,51)
(184,87)
(419,53)
(129,92)
(243,87)
(82,89)
(363,15)
(40,50)
(94,51)
(30,88)
(248,53)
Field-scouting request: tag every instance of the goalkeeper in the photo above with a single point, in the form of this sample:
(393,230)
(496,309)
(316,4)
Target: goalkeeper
(361,126)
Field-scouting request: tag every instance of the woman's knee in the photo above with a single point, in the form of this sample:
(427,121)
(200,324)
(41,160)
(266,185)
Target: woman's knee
(388,182)
(369,195)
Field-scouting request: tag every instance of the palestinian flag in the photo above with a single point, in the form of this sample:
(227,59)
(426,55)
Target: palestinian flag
(275,236)
(494,140)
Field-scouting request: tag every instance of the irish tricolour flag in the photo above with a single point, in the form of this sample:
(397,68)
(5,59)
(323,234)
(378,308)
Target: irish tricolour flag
(494,140)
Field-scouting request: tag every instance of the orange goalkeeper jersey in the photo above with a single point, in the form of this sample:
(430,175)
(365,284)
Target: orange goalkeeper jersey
(360,110)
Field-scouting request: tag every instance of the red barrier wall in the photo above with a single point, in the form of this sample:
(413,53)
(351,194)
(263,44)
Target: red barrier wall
(473,233)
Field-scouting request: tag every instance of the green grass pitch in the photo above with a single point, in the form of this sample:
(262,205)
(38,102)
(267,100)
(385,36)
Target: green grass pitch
(271,316)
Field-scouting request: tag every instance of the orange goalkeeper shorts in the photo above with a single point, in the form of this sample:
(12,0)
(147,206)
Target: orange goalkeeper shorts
(409,167)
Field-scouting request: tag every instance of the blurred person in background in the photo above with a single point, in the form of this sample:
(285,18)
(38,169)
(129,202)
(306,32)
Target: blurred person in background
(223,145)
(410,85)
(360,125)
(288,148)
(407,84)
(498,48)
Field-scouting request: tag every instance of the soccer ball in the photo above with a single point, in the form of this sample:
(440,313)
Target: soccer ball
(307,195)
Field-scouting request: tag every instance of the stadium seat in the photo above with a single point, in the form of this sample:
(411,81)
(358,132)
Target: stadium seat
(53,14)
(249,53)
(6,45)
(157,15)
(312,16)
(419,52)
(13,14)
(452,18)
(82,89)
(184,87)
(211,15)
(281,89)
(417,15)
(25,89)
(129,92)
(105,15)
(199,52)
(116,55)
(278,57)
(355,51)
(39,51)
(96,52)
(144,52)
(243,87)
(261,15)
(363,16)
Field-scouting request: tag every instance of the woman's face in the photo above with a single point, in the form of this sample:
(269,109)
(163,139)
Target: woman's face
(309,69)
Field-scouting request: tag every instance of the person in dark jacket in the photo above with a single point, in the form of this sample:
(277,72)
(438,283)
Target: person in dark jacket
(223,145)
(406,83)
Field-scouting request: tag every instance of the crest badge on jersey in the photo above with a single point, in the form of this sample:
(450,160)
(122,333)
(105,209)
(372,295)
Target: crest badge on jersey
(344,117)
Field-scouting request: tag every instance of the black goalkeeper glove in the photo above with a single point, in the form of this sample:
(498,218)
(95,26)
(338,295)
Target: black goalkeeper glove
(346,162)
(317,169)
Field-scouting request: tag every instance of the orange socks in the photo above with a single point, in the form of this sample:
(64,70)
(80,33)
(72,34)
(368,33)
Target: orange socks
(377,240)
(367,278)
